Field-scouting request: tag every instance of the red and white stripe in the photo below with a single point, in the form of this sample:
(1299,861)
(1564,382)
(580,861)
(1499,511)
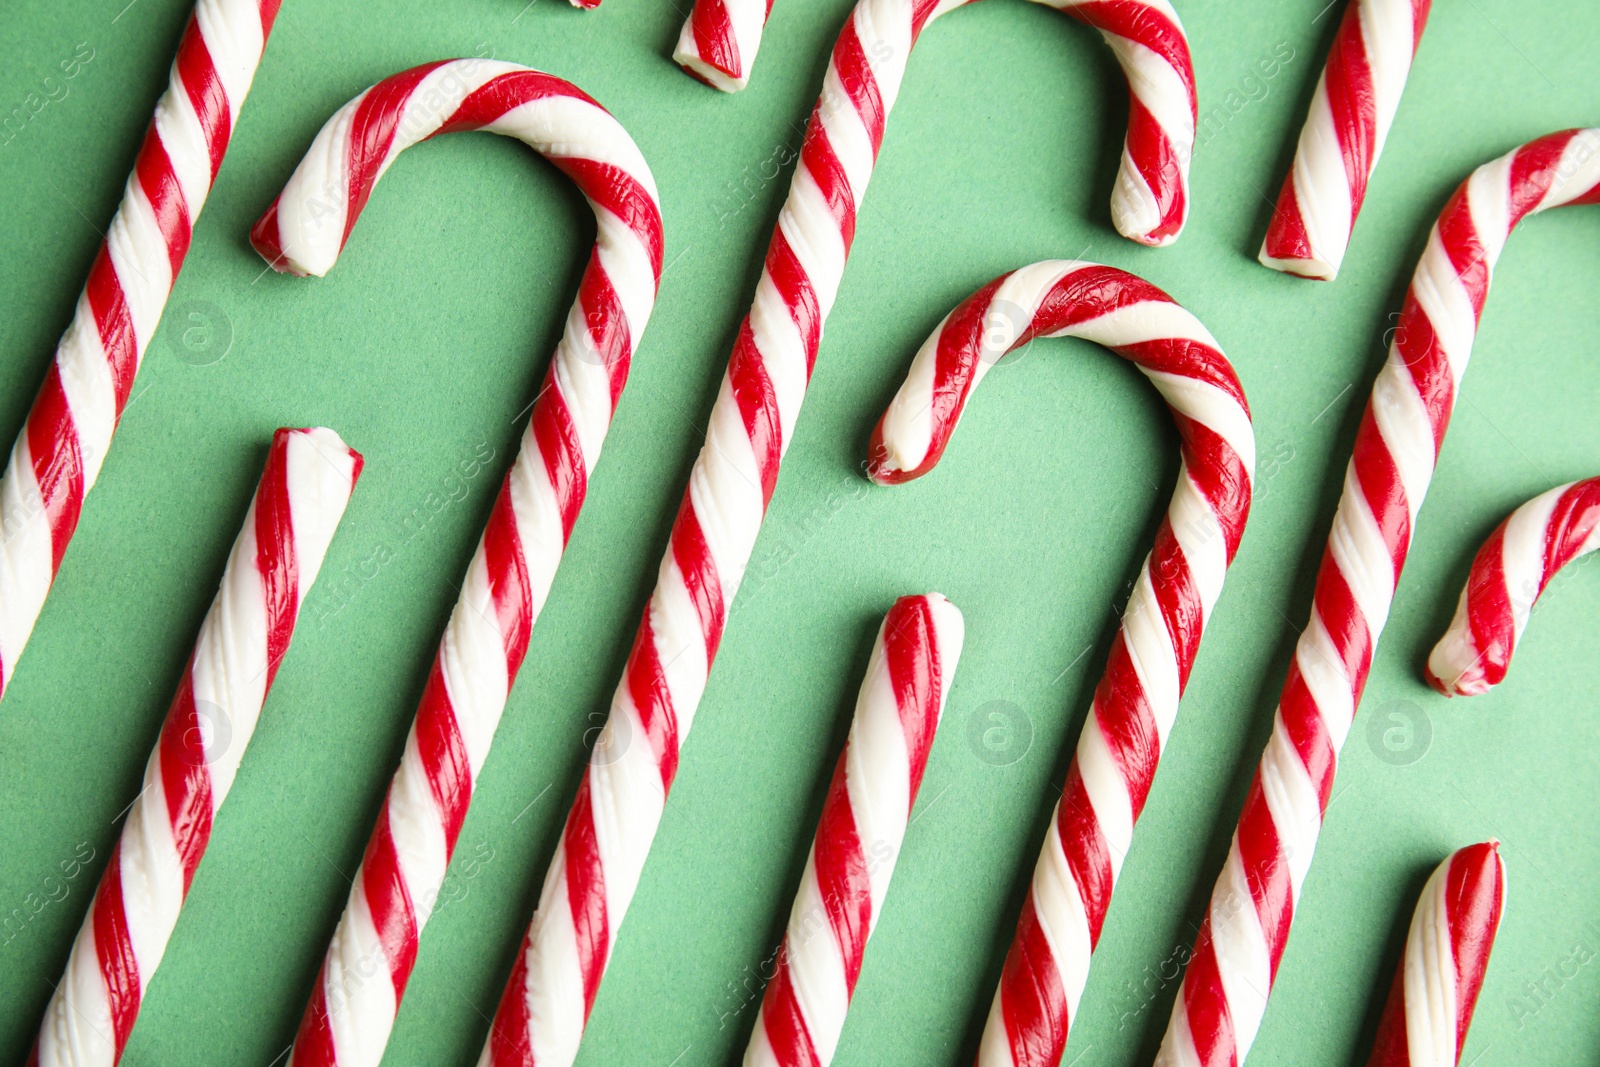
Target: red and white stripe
(860,835)
(719,41)
(302,496)
(58,455)
(607,838)
(1246,927)
(1436,986)
(1136,701)
(1351,113)
(364,975)
(1508,576)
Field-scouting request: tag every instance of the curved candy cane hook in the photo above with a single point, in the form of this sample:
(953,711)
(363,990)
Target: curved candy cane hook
(1136,701)
(1151,199)
(1235,960)
(1509,574)
(1436,986)
(363,978)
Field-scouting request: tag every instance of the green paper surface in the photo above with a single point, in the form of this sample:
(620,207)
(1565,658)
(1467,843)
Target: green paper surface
(424,346)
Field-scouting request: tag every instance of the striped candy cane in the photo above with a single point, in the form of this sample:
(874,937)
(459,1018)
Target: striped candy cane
(297,507)
(1436,986)
(1508,576)
(719,41)
(1351,112)
(1246,927)
(860,834)
(364,975)
(595,870)
(1137,699)
(58,455)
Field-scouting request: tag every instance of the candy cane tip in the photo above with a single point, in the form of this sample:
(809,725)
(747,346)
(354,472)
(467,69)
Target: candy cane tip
(1310,267)
(708,73)
(328,443)
(585,5)
(267,240)
(886,465)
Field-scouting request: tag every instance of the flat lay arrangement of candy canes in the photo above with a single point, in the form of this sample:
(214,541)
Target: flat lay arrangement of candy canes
(1013,981)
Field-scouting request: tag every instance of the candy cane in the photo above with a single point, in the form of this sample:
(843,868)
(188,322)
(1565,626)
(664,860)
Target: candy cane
(364,975)
(291,521)
(1436,986)
(1137,699)
(1351,113)
(607,837)
(58,455)
(719,41)
(1246,927)
(860,834)
(1508,576)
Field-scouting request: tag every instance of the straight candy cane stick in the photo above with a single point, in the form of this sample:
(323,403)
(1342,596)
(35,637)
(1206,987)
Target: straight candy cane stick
(1136,702)
(58,456)
(1508,576)
(1351,113)
(1436,986)
(307,483)
(860,834)
(1235,961)
(364,974)
(613,820)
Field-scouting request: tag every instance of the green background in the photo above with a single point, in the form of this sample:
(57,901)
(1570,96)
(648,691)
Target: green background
(426,344)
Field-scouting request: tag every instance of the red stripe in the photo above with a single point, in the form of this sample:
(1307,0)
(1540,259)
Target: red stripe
(114,949)
(444,755)
(509,585)
(1160,164)
(206,93)
(1308,732)
(372,130)
(714,41)
(794,285)
(700,577)
(1138,21)
(607,326)
(1384,492)
(911,653)
(621,194)
(860,84)
(1084,845)
(1287,238)
(1392,1048)
(562,453)
(820,161)
(1122,708)
(841,871)
(1033,1004)
(1535,169)
(313,1042)
(389,901)
(652,699)
(758,407)
(57,463)
(186,778)
(586,895)
(510,1035)
(114,324)
(159,182)
(784,1022)
(1474,900)
(1572,522)
(276,560)
(1205,1003)
(1489,617)
(1352,99)
(1266,871)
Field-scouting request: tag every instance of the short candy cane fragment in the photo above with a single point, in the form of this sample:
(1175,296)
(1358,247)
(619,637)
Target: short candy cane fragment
(1218,1011)
(719,41)
(58,455)
(1136,702)
(1508,576)
(1351,113)
(368,964)
(860,834)
(302,496)
(1436,986)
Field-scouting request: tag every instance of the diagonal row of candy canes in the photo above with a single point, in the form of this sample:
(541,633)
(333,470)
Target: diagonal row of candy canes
(58,455)
(1235,960)
(297,507)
